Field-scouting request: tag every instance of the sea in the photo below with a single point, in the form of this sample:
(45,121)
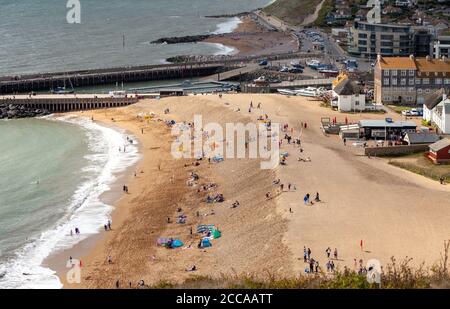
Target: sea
(54,170)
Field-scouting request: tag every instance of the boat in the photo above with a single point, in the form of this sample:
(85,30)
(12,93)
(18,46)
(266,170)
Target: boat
(118,94)
(260,80)
(314,64)
(287,92)
(63,90)
(310,92)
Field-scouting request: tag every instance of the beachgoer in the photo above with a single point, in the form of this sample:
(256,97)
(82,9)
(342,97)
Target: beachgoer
(345,141)
(106,227)
(335,253)
(328,252)
(259,105)
(309,253)
(117,284)
(317,199)
(109,259)
(109,224)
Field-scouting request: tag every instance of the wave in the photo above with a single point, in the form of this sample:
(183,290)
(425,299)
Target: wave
(85,209)
(228,26)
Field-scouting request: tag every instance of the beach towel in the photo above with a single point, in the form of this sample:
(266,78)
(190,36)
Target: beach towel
(218,158)
(162,241)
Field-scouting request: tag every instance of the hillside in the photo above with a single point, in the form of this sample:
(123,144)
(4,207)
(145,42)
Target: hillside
(292,11)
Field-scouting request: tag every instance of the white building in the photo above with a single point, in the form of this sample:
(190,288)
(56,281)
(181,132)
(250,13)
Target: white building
(437,111)
(441,47)
(347,95)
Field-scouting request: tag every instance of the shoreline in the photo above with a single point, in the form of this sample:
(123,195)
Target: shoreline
(57,259)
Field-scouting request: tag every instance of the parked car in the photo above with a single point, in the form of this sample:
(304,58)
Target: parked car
(263,62)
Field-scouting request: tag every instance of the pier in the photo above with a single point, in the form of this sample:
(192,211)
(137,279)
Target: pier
(67,103)
(86,78)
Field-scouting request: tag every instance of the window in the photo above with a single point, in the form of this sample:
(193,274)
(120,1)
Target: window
(419,90)
(427,90)
(411,81)
(362,42)
(411,72)
(403,72)
(403,81)
(362,35)
(386,81)
(411,89)
(387,98)
(409,98)
(418,80)
(438,81)
(426,81)
(447,81)
(356,102)
(386,72)
(394,81)
(394,72)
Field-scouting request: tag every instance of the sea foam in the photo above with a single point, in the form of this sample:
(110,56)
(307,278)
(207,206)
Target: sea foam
(85,210)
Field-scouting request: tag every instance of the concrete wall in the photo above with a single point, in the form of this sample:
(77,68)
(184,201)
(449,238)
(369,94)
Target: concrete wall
(395,150)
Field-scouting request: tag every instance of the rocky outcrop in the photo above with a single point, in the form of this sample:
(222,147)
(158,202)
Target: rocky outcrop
(183,39)
(13,111)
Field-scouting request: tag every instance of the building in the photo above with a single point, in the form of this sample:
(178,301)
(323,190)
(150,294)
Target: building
(409,80)
(347,95)
(437,111)
(368,40)
(385,129)
(440,151)
(414,138)
(441,47)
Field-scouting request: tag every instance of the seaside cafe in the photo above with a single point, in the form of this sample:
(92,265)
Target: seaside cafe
(377,129)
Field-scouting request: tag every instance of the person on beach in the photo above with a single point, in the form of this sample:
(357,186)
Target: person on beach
(109,259)
(290,210)
(328,252)
(251,104)
(317,199)
(317,266)
(289,186)
(109,224)
(306,199)
(268,195)
(345,141)
(117,284)
(441,180)
(282,187)
(305,255)
(309,253)
(106,227)
(335,254)
(259,105)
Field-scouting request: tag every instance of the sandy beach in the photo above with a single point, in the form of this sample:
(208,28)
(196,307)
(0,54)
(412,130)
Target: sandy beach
(250,38)
(394,212)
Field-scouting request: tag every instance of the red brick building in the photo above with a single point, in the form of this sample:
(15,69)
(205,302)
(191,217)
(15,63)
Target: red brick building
(440,151)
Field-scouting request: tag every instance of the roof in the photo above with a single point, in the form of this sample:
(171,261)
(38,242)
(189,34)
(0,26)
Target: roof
(439,145)
(347,87)
(397,63)
(422,138)
(435,98)
(384,123)
(433,65)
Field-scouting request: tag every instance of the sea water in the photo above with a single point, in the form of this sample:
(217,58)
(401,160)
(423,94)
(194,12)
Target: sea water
(52,174)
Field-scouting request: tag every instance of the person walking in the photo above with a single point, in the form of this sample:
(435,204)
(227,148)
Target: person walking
(328,252)
(335,253)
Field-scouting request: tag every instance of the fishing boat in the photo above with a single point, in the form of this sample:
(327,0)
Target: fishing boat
(63,90)
(287,92)
(310,91)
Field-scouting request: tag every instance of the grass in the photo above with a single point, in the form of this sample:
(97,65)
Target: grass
(399,108)
(292,11)
(396,275)
(419,164)
(326,8)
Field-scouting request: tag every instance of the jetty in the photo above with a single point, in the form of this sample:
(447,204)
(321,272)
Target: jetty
(68,102)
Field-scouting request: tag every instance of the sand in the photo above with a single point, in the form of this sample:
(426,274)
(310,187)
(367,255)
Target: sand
(251,39)
(395,213)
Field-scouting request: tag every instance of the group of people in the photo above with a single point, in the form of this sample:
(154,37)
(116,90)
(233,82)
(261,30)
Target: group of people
(307,200)
(313,264)
(77,231)
(107,226)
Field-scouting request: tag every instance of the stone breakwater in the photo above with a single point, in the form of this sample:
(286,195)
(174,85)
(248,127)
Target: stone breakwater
(13,111)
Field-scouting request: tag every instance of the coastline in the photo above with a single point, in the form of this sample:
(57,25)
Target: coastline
(57,259)
(140,217)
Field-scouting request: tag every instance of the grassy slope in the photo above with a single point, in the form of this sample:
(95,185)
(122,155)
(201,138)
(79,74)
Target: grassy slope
(292,11)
